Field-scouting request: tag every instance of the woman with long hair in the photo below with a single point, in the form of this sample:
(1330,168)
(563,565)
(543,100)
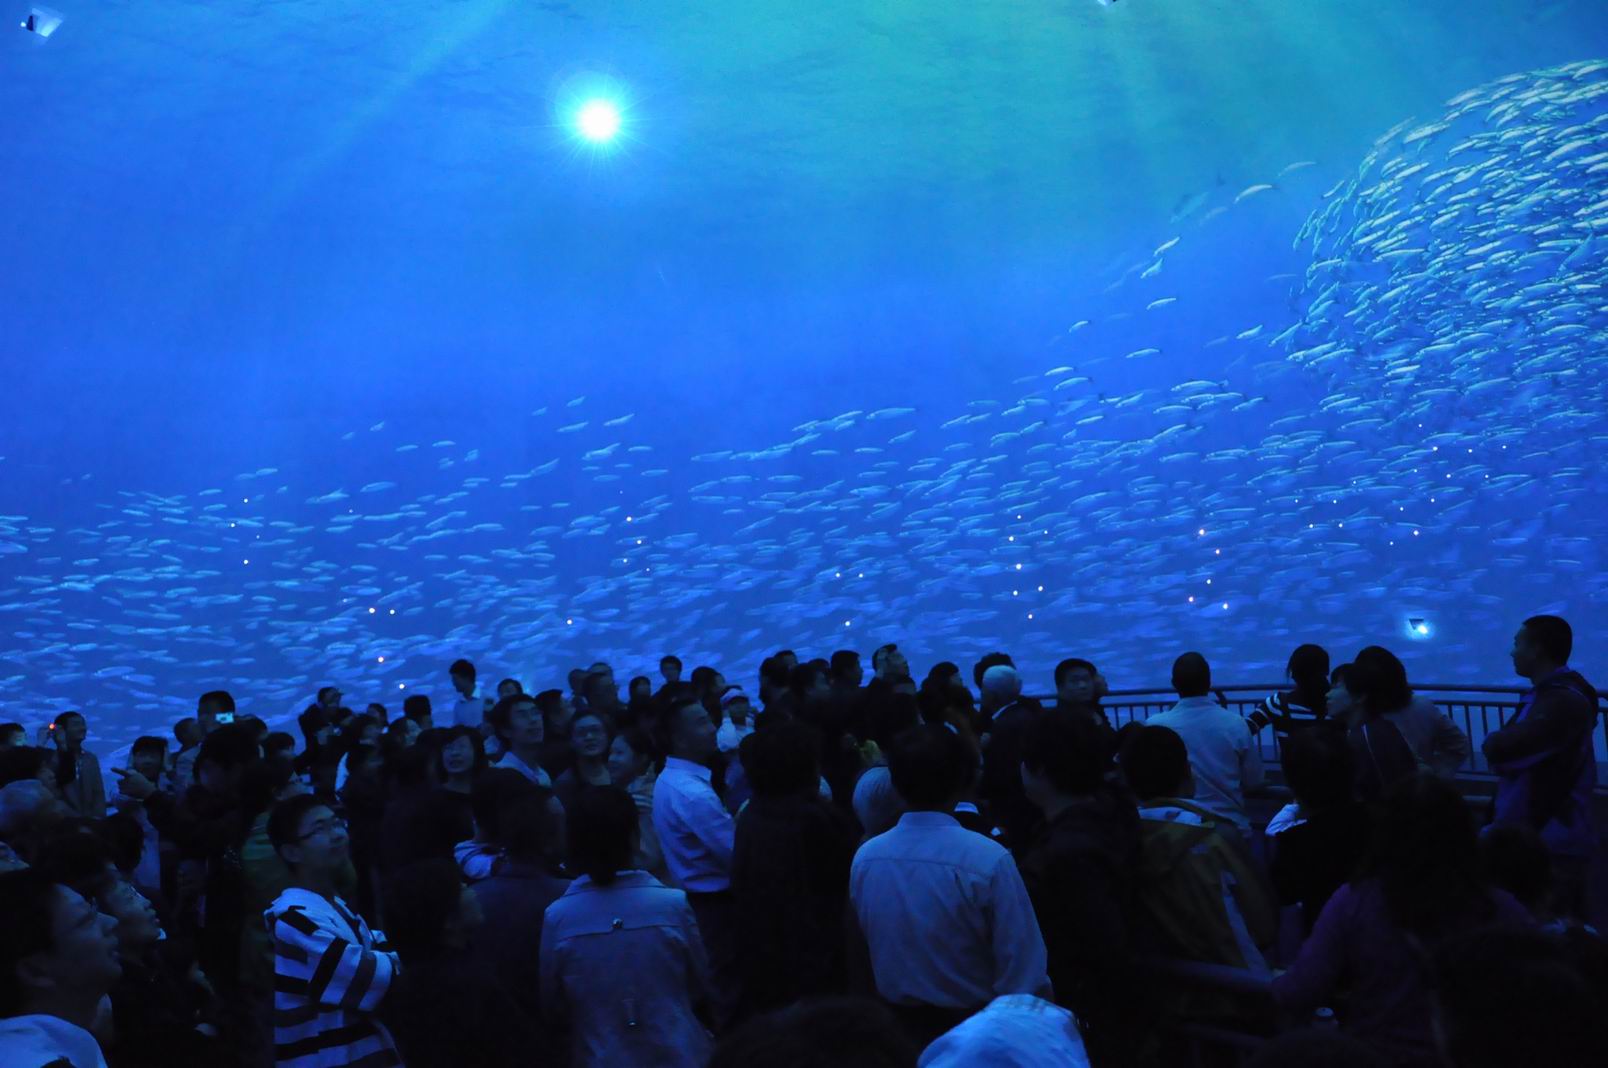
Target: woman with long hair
(1379,680)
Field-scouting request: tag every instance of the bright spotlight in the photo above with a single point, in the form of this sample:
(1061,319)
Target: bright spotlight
(598,121)
(1418,629)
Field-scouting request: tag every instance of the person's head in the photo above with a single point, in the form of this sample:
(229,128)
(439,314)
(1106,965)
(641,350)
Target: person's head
(316,727)
(788,658)
(82,862)
(602,833)
(1379,680)
(508,688)
(363,762)
(1342,702)
(631,754)
(670,670)
(1191,676)
(639,689)
(601,667)
(58,953)
(278,743)
(735,706)
(577,679)
(462,674)
(429,910)
(989,660)
(517,722)
(12,735)
(462,753)
(782,761)
(213,704)
(703,679)
(377,712)
(773,678)
(29,810)
(1426,856)
(601,691)
(1507,996)
(689,733)
(71,730)
(417,708)
(493,792)
(1516,860)
(187,732)
(820,1033)
(360,730)
(329,699)
(310,839)
(27,762)
(1075,682)
(1309,669)
(401,734)
(1155,763)
(265,783)
(945,675)
(148,756)
(591,732)
(1319,769)
(1063,755)
(1541,646)
(557,712)
(223,758)
(930,767)
(846,669)
(1001,686)
(809,684)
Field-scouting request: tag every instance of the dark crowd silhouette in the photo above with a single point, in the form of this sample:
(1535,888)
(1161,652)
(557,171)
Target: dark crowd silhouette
(836,871)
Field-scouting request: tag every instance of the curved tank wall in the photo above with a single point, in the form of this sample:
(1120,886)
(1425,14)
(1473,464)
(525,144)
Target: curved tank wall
(334,350)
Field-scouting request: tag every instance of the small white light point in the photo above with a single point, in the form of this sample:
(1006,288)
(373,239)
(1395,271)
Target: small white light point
(1225,606)
(371,611)
(382,659)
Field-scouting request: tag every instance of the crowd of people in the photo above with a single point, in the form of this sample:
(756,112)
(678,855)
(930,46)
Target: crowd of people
(837,871)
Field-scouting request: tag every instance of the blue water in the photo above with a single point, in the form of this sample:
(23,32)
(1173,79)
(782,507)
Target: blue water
(966,329)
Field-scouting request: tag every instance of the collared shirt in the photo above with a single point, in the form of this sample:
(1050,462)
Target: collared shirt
(510,759)
(1222,754)
(730,736)
(945,916)
(44,1040)
(624,964)
(468,711)
(696,832)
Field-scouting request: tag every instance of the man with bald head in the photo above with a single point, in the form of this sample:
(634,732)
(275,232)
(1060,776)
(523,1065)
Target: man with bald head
(1222,752)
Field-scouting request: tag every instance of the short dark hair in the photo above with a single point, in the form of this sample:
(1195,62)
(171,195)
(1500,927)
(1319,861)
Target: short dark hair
(1191,675)
(62,717)
(782,760)
(491,793)
(671,659)
(929,766)
(262,781)
(278,742)
(844,662)
(519,687)
(324,691)
(1155,762)
(217,700)
(1319,768)
(461,667)
(773,673)
(420,898)
(28,902)
(802,677)
(8,729)
(990,660)
(1309,667)
(1553,635)
(525,825)
(416,706)
(476,742)
(703,677)
(503,711)
(549,701)
(228,747)
(179,727)
(78,860)
(1069,749)
(600,822)
(149,743)
(1069,665)
(285,819)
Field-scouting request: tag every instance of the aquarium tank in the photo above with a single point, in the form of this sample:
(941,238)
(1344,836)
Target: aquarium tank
(343,340)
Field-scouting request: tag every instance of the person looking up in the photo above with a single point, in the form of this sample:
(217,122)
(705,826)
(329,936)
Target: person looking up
(518,726)
(215,709)
(945,918)
(1318,842)
(591,734)
(622,964)
(58,961)
(736,719)
(78,771)
(847,674)
(1382,756)
(331,973)
(697,836)
(1222,751)
(577,685)
(1544,760)
(462,759)
(187,732)
(602,694)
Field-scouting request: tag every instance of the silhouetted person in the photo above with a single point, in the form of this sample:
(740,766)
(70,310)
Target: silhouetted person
(1544,757)
(78,771)
(1318,842)
(1307,704)
(1222,753)
(1379,680)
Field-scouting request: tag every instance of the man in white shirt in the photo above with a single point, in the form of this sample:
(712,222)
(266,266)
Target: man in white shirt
(58,955)
(1222,750)
(944,913)
(697,835)
(738,719)
(469,708)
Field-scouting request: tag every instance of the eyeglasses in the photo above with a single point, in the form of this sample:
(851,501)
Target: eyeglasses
(336,824)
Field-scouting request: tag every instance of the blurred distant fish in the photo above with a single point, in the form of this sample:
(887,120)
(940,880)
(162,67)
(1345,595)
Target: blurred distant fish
(573,427)
(1251,191)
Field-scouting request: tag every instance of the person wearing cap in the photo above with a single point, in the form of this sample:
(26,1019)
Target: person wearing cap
(737,719)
